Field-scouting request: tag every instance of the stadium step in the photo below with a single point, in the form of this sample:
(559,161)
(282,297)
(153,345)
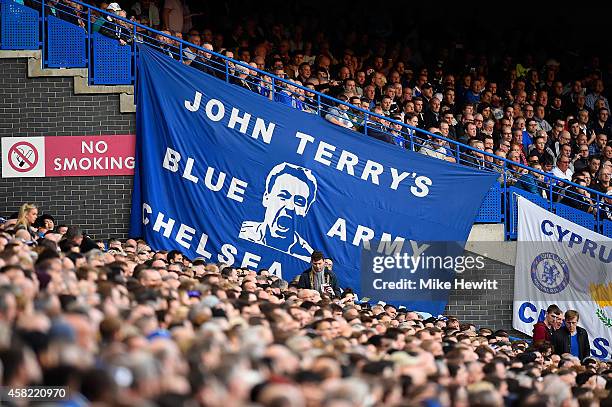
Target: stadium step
(80,78)
(486,240)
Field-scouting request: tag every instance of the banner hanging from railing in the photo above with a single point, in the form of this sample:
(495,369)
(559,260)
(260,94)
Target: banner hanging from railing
(225,175)
(560,262)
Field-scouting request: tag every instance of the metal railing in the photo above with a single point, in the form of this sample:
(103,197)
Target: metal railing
(282,90)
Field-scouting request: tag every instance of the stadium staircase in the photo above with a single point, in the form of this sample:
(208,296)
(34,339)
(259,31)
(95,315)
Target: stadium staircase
(80,77)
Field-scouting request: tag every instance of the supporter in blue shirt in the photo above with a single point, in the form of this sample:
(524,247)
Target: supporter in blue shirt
(473,94)
(571,338)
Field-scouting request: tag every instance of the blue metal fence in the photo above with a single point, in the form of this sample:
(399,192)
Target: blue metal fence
(512,195)
(574,215)
(18,26)
(491,209)
(607,228)
(66,44)
(112,62)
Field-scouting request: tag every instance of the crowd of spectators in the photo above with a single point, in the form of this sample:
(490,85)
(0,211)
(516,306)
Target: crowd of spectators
(120,324)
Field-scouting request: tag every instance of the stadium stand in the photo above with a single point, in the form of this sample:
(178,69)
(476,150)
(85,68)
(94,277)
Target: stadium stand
(115,323)
(111,48)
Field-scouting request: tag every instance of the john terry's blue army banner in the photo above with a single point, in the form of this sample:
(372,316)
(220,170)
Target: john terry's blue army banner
(224,174)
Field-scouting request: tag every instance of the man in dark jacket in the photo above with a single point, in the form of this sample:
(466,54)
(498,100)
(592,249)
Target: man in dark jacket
(115,28)
(571,338)
(319,278)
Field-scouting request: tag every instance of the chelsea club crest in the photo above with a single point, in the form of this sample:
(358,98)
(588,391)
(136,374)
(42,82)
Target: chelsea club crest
(549,273)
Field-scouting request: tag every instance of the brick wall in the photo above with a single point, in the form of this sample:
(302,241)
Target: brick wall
(48,107)
(485,308)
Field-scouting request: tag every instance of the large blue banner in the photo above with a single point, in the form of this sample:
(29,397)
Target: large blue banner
(224,174)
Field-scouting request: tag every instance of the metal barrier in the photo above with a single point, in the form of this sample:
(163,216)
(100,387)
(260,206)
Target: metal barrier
(65,44)
(112,62)
(577,216)
(607,228)
(491,209)
(512,194)
(111,57)
(18,26)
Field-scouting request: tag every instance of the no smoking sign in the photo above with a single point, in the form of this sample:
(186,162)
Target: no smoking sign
(23,157)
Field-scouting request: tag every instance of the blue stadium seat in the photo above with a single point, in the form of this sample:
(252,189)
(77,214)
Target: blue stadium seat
(577,216)
(491,209)
(18,26)
(66,44)
(512,194)
(112,63)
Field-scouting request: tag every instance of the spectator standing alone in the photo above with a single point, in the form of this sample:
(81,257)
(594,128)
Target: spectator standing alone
(317,277)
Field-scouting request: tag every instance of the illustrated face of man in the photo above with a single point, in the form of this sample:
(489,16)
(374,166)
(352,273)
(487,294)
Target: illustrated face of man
(287,198)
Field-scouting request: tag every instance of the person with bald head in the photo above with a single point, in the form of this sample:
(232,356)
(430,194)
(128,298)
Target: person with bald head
(150,278)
